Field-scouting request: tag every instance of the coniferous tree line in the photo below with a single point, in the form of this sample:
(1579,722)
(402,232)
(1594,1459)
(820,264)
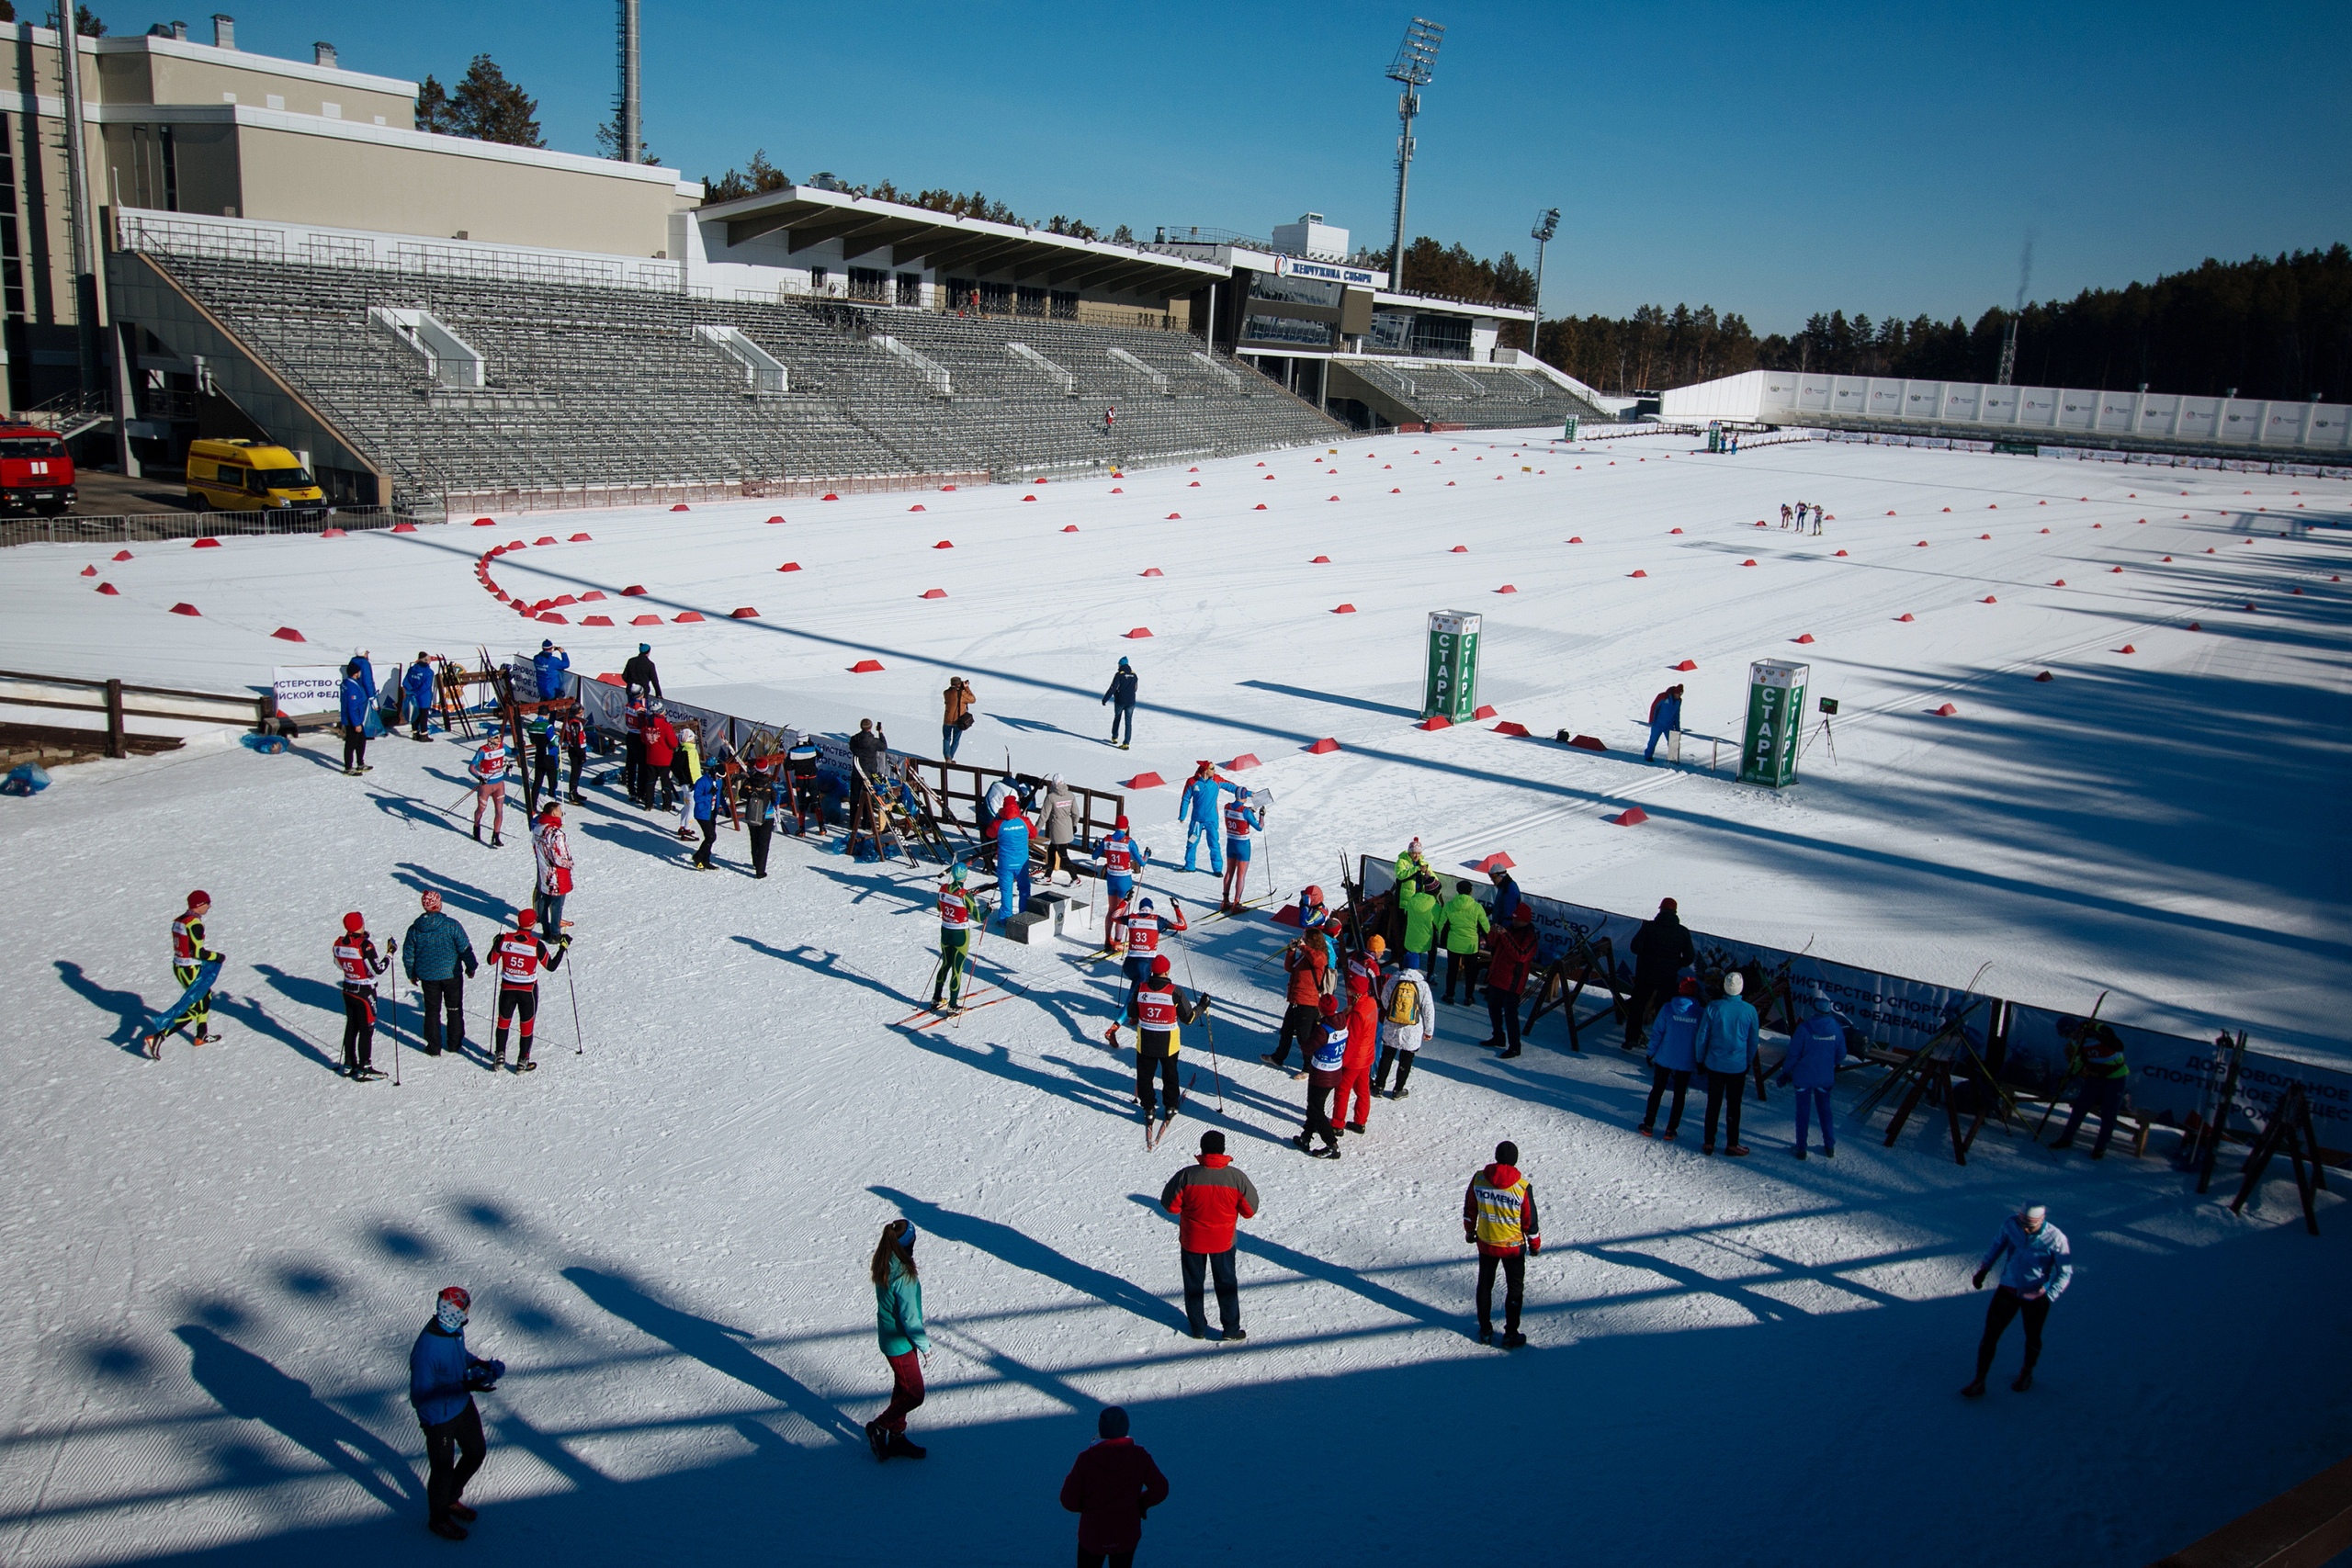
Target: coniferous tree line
(2269,327)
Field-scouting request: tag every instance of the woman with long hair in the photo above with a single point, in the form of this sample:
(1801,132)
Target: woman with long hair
(898,1320)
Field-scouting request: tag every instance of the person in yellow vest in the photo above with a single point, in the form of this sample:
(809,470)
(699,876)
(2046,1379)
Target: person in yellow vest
(1498,1217)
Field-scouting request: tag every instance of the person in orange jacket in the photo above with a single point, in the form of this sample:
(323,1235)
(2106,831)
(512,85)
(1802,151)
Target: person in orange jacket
(1364,1046)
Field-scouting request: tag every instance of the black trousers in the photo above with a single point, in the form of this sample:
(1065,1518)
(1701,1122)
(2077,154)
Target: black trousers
(1299,1020)
(358,1028)
(1198,1268)
(1643,1005)
(578,756)
(2102,1095)
(1678,1080)
(1724,1093)
(1097,1559)
(355,746)
(1401,1060)
(444,997)
(1319,1115)
(1503,1012)
(515,1002)
(1514,1267)
(1462,966)
(633,777)
(1163,1068)
(709,826)
(454,1450)
(760,835)
(546,774)
(2006,1304)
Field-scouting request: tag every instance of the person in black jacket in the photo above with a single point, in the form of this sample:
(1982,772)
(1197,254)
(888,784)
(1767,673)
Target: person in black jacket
(1121,696)
(1662,951)
(639,674)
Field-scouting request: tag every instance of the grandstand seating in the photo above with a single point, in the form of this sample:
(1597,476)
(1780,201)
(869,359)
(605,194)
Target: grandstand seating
(598,386)
(1478,396)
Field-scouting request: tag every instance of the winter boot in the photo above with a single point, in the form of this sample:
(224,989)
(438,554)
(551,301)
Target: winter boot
(1485,1334)
(901,1449)
(2024,1380)
(477,832)
(1512,1339)
(877,1440)
(496,842)
(447,1529)
(1973,1391)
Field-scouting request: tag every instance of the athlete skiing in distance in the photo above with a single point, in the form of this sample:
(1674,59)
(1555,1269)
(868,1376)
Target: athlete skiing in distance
(520,956)
(359,965)
(489,769)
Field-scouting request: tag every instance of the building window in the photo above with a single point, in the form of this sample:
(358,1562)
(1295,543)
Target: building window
(1391,331)
(1296,290)
(996,299)
(910,289)
(962,295)
(1064,302)
(1284,329)
(1029,303)
(12,261)
(1441,337)
(869,283)
(816,276)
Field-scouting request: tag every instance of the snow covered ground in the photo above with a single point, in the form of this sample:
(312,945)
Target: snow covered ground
(213,1265)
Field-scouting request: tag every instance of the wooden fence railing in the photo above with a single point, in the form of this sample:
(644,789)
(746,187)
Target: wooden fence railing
(119,701)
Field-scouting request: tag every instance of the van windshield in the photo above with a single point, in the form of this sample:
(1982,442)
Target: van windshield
(32,447)
(283,478)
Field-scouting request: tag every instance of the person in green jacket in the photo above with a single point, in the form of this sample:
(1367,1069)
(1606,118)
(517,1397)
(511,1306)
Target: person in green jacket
(1417,901)
(1463,923)
(898,1321)
(1411,866)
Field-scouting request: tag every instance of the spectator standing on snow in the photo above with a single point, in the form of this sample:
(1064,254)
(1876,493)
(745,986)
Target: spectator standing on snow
(1507,896)
(356,960)
(1207,1199)
(638,676)
(1307,961)
(1665,723)
(1407,1014)
(1013,832)
(1514,955)
(1662,951)
(551,857)
(2037,1268)
(572,730)
(1816,1048)
(661,757)
(1326,1068)
(897,1315)
(1121,696)
(956,714)
(1462,924)
(417,683)
(1356,1061)
(2094,1053)
(1416,901)
(1498,1218)
(756,789)
(443,1378)
(705,806)
(1728,1031)
(1111,1487)
(436,950)
(354,700)
(1059,819)
(549,665)
(1674,1057)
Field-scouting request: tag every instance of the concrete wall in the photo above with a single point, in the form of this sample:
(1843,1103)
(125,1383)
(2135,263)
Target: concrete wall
(1788,396)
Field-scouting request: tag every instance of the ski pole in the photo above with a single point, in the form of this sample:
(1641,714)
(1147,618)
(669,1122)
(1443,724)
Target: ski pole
(573,986)
(1208,1026)
(396,1037)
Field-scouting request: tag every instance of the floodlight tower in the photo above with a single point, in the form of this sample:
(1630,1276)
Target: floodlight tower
(629,114)
(1410,68)
(1548,223)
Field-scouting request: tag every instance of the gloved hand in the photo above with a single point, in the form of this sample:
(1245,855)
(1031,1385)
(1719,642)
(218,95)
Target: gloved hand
(392,945)
(1534,1245)
(1979,1283)
(482,1376)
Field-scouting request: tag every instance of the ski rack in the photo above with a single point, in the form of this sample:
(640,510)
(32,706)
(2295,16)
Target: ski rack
(2291,1131)
(1563,983)
(1930,1067)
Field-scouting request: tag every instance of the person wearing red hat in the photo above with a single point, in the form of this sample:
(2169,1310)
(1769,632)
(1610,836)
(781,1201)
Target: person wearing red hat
(519,956)
(1121,859)
(1325,1065)
(1155,1010)
(1512,955)
(443,1378)
(189,956)
(356,957)
(1363,1045)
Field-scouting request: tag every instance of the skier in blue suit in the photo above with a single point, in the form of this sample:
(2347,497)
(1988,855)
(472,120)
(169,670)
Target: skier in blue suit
(1012,835)
(549,665)
(1205,813)
(1666,720)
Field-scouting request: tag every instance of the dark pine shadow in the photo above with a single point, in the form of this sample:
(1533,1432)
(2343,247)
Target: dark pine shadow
(247,1386)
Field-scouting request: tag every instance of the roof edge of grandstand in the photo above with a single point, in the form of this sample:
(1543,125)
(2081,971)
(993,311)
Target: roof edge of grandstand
(189,48)
(749,217)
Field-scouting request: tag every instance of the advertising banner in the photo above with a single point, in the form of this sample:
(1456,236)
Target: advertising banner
(1449,680)
(1768,753)
(2174,1078)
(308,688)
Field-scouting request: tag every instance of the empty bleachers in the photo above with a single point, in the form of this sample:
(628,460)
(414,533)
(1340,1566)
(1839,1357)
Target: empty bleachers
(601,386)
(1477,397)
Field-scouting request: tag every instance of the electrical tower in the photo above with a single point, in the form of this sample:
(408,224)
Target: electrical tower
(1410,68)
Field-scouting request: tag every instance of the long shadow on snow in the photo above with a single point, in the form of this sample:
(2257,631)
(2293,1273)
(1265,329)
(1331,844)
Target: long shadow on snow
(1009,1245)
(714,1344)
(131,1011)
(247,1386)
(469,898)
(997,1061)
(1309,1267)
(410,809)
(249,1012)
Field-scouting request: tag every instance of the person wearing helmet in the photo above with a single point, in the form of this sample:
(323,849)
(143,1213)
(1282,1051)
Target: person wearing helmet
(1156,1010)
(1121,859)
(1726,1046)
(443,1378)
(1674,1057)
(960,915)
(1407,1012)
(356,957)
(519,956)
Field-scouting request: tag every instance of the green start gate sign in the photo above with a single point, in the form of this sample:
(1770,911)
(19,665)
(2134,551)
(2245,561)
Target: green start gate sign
(1449,678)
(1768,754)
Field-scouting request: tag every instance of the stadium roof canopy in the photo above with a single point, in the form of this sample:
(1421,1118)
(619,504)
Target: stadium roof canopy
(971,246)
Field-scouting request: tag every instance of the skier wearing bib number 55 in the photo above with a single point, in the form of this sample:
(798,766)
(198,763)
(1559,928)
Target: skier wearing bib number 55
(519,956)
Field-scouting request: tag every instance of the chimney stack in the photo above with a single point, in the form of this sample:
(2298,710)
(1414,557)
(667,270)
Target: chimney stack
(224,31)
(322,54)
(179,31)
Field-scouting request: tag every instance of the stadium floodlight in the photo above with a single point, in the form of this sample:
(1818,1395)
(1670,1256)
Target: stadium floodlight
(1411,67)
(1548,223)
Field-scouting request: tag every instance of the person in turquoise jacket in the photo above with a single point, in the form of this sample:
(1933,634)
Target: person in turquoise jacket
(1815,1051)
(1728,1031)
(898,1322)
(1674,1056)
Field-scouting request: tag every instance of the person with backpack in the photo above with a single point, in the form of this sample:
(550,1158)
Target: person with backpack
(1209,1197)
(1661,950)
(1462,924)
(356,958)
(1507,970)
(1665,723)
(1728,1031)
(1674,1057)
(1498,1218)
(956,714)
(1111,1488)
(1407,1012)
(898,1316)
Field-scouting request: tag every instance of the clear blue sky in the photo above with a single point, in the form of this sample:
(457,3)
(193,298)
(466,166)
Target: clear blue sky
(1770,160)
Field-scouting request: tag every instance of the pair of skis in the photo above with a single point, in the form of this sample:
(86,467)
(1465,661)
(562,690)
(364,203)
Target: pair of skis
(1156,1127)
(925,1016)
(153,1032)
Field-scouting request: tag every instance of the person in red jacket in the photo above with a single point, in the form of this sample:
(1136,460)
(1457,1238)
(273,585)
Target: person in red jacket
(1363,1047)
(1109,1489)
(1209,1198)
(1513,954)
(661,753)
(1309,964)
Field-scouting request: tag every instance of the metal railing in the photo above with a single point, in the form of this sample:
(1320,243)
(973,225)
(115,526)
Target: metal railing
(131,528)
